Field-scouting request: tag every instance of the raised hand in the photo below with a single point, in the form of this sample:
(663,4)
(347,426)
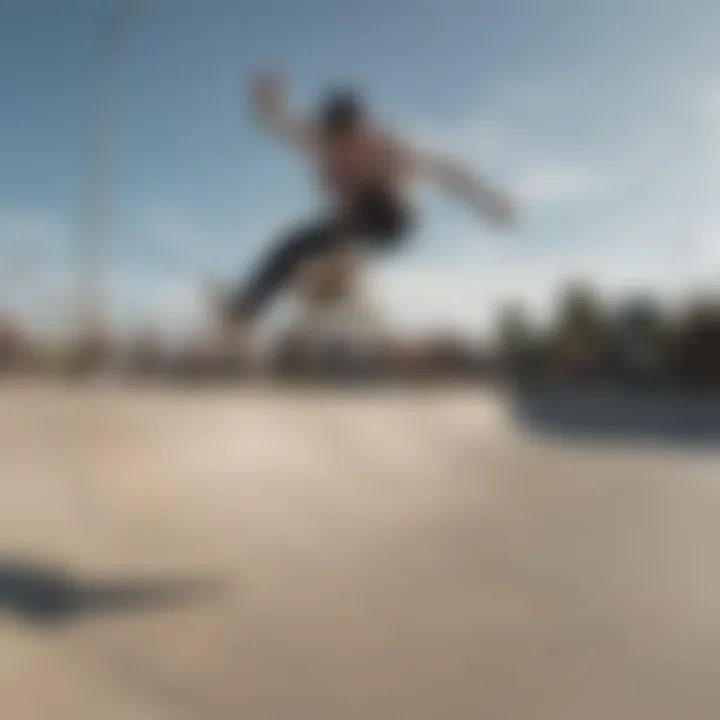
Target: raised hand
(268,93)
(500,209)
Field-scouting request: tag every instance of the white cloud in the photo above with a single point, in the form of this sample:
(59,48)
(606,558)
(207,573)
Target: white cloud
(474,136)
(198,246)
(30,236)
(466,293)
(555,183)
(34,246)
(709,99)
(488,141)
(706,132)
(170,306)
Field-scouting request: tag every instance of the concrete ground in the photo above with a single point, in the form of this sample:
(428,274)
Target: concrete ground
(381,555)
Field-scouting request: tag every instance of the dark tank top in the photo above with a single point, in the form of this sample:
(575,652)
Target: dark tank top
(378,214)
(372,205)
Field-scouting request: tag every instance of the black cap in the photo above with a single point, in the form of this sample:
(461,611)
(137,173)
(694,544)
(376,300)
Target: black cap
(340,110)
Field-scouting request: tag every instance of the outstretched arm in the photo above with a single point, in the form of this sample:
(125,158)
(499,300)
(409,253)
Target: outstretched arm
(270,107)
(465,185)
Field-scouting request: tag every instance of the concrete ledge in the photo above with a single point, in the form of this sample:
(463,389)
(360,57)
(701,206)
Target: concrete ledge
(612,414)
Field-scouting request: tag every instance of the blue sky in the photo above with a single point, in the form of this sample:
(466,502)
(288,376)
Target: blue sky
(603,116)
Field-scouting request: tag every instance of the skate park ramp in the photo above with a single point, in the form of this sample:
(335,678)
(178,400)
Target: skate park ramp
(385,554)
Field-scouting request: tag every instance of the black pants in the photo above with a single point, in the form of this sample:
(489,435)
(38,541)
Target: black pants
(378,222)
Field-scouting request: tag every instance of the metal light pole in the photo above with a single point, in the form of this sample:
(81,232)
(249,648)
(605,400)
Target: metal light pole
(95,221)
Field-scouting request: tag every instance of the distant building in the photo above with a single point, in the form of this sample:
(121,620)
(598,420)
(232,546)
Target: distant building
(15,350)
(94,350)
(146,355)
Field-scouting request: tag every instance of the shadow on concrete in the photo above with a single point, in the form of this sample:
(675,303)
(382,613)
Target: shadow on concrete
(618,416)
(45,594)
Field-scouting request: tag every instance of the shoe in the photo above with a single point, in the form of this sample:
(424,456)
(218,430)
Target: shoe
(232,333)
